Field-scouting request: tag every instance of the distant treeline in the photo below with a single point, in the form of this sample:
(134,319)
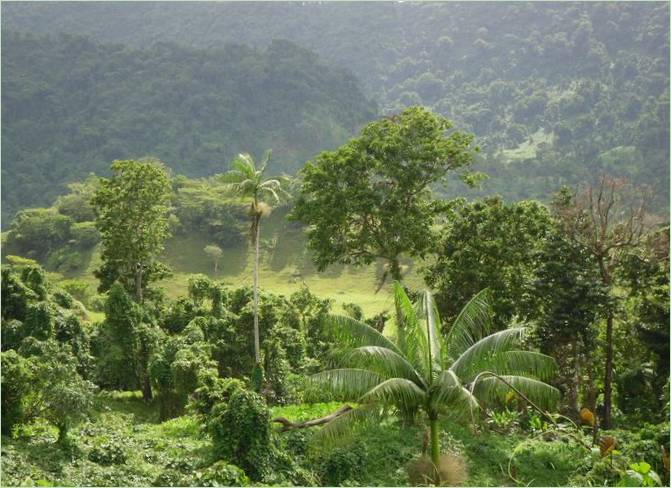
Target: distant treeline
(70,106)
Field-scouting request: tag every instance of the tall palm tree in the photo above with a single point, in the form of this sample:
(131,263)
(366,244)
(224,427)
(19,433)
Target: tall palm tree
(248,181)
(425,372)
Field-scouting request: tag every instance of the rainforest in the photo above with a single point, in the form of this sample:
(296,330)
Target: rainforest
(335,244)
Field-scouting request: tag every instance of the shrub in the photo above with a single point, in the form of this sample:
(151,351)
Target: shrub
(212,391)
(12,334)
(15,295)
(63,298)
(343,463)
(80,290)
(16,385)
(85,234)
(107,453)
(240,432)
(39,321)
(223,474)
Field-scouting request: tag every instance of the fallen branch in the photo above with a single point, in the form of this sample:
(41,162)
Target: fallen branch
(289,425)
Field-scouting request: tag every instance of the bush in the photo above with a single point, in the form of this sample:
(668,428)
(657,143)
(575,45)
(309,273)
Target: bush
(344,463)
(63,298)
(85,235)
(108,452)
(212,391)
(240,432)
(79,290)
(222,474)
(16,385)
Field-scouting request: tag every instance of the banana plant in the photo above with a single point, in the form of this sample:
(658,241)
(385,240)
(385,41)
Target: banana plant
(432,373)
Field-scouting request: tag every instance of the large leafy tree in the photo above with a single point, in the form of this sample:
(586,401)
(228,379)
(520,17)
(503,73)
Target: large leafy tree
(132,210)
(248,181)
(436,375)
(371,198)
(487,244)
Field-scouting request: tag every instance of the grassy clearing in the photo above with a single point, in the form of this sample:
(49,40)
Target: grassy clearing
(527,150)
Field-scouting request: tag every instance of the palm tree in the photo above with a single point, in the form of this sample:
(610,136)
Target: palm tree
(247,181)
(424,372)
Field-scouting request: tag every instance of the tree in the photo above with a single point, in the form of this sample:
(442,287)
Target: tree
(565,298)
(607,218)
(132,216)
(486,244)
(371,198)
(424,372)
(62,396)
(249,182)
(215,253)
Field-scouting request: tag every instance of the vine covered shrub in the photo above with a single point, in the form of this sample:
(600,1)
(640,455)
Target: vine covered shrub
(343,465)
(16,385)
(240,432)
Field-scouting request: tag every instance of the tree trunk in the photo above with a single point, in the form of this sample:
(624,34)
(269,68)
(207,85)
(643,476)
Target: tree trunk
(146,389)
(216,265)
(608,377)
(395,270)
(257,345)
(608,373)
(138,283)
(62,434)
(435,448)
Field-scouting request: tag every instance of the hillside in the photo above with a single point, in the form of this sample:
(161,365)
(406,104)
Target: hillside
(70,106)
(555,92)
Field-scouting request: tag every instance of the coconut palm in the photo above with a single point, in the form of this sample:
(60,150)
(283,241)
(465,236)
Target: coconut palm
(435,375)
(248,181)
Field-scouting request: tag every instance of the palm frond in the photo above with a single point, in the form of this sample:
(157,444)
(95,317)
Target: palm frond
(472,324)
(451,397)
(434,353)
(349,383)
(353,332)
(346,423)
(384,362)
(526,363)
(407,324)
(492,388)
(473,359)
(397,392)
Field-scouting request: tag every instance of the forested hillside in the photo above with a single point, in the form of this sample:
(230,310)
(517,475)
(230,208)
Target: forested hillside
(70,106)
(554,92)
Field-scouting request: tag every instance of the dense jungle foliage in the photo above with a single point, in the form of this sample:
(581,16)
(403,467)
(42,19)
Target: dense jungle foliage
(555,92)
(541,356)
(389,297)
(70,106)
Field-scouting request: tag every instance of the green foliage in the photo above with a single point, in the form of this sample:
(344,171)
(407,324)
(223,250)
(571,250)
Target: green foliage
(17,384)
(64,398)
(343,465)
(38,231)
(108,453)
(292,101)
(132,217)
(640,474)
(116,343)
(240,432)
(371,198)
(425,372)
(486,244)
(222,473)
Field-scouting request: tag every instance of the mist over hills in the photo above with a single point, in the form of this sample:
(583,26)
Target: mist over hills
(554,92)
